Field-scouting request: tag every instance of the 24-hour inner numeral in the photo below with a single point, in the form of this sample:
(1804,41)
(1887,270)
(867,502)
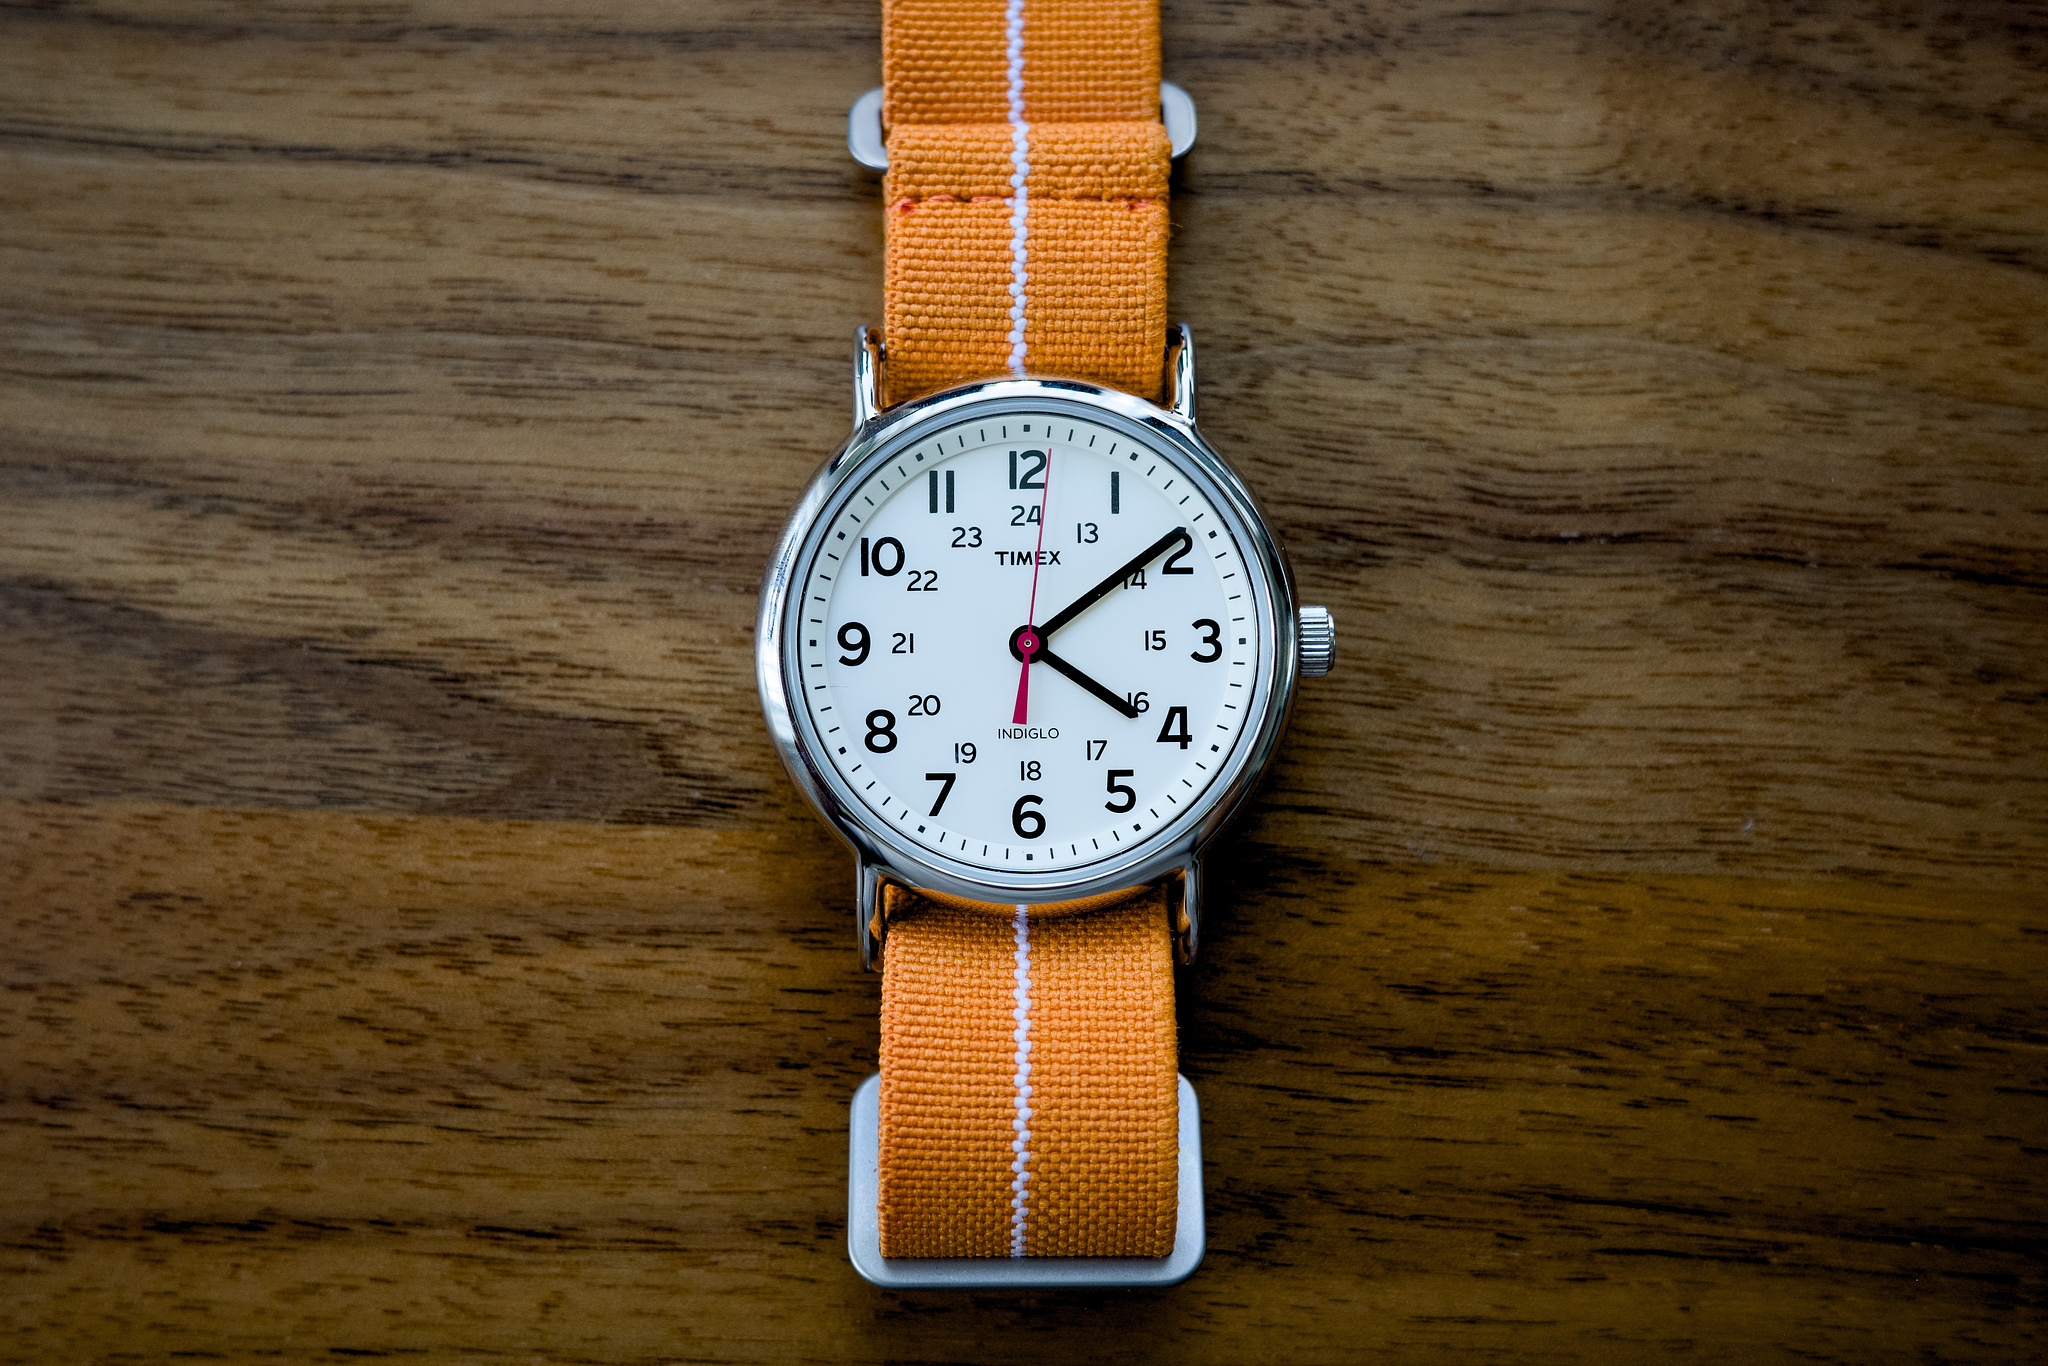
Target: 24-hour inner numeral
(1042,808)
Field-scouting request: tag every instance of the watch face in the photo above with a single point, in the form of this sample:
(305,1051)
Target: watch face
(1095,548)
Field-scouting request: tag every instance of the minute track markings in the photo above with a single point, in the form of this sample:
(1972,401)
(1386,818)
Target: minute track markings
(1083,651)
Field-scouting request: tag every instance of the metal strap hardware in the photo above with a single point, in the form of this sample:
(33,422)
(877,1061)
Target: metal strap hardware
(864,1240)
(864,125)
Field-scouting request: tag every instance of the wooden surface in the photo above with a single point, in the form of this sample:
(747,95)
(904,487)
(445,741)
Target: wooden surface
(412,946)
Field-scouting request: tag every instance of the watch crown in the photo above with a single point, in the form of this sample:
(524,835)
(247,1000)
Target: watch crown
(1318,641)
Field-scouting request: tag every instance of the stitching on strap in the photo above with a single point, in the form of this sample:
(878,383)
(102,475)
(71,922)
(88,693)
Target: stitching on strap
(1020,1146)
(1020,187)
(1027,193)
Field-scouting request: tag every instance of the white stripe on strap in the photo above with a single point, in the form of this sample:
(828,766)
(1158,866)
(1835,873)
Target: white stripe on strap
(1020,1145)
(1020,171)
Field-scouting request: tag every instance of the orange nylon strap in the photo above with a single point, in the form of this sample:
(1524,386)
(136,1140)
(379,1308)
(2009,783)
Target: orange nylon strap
(1027,192)
(1029,1101)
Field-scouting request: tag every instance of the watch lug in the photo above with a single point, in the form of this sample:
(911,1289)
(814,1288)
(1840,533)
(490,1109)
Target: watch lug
(869,928)
(867,376)
(1180,373)
(1184,909)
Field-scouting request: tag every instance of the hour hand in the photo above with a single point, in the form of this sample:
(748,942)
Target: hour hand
(1046,656)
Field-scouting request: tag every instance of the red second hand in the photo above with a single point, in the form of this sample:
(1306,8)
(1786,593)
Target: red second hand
(1028,643)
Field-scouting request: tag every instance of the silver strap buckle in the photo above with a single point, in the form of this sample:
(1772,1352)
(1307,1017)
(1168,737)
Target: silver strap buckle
(864,125)
(864,1228)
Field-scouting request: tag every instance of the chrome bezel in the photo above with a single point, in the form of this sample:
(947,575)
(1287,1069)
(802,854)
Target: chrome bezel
(1174,846)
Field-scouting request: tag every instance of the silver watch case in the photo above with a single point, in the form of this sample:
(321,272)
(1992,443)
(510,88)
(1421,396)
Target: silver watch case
(1173,852)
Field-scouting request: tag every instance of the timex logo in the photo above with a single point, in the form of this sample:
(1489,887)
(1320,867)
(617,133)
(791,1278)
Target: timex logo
(1023,557)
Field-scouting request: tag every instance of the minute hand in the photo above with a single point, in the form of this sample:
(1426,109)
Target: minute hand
(1130,567)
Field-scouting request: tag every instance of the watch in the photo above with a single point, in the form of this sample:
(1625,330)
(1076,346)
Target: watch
(1027,644)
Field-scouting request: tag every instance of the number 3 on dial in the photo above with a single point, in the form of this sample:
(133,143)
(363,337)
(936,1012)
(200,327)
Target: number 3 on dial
(920,586)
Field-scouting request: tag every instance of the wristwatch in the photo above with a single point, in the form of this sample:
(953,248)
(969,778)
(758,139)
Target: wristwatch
(1027,644)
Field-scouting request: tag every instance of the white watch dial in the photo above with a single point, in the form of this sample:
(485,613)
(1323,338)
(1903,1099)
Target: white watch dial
(909,632)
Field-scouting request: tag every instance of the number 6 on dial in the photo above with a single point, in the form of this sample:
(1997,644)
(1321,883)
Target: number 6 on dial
(889,636)
(1028,824)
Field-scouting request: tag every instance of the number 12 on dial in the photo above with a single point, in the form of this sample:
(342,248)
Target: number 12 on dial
(1156,724)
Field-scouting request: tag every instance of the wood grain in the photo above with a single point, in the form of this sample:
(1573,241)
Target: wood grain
(413,946)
